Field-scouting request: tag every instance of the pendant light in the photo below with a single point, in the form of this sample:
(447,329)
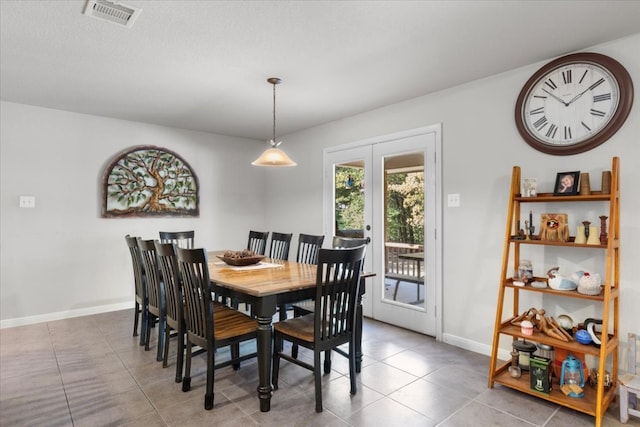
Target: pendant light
(274,156)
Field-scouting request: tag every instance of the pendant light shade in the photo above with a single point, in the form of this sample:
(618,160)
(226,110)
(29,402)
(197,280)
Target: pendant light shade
(274,156)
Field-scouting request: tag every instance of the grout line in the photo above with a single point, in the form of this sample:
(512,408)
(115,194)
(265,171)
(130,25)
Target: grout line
(55,353)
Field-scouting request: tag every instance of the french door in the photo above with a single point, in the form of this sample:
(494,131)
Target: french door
(387,189)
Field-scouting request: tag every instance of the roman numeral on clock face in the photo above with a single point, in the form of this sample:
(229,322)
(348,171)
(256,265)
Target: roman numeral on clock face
(537,111)
(551,84)
(567,132)
(584,125)
(551,132)
(540,123)
(603,97)
(566,76)
(596,84)
(597,113)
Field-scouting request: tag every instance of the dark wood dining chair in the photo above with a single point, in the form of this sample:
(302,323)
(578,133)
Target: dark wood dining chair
(155,291)
(209,325)
(168,262)
(258,241)
(333,321)
(280,244)
(307,253)
(182,239)
(141,309)
(308,248)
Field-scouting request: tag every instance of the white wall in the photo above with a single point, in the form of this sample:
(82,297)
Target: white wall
(480,146)
(62,258)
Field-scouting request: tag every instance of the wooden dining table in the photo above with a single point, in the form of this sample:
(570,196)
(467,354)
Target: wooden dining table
(266,286)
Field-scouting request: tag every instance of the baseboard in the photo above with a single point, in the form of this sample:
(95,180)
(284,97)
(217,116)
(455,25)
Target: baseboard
(474,346)
(29,320)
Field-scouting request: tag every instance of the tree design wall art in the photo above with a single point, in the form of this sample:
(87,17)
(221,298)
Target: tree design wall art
(149,181)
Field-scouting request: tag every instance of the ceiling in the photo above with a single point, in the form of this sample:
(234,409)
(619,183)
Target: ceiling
(203,65)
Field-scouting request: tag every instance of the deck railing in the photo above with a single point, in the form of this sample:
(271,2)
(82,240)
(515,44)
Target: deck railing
(405,267)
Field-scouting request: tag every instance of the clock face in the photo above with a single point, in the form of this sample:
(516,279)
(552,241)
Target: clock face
(574,103)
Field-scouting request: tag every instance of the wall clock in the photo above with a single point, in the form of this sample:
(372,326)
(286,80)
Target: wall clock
(574,103)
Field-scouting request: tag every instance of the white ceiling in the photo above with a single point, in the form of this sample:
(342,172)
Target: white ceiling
(203,65)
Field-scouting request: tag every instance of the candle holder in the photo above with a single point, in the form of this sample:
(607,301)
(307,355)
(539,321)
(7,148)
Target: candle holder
(586,228)
(603,230)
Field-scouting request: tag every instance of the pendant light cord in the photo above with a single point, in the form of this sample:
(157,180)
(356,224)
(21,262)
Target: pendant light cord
(273,141)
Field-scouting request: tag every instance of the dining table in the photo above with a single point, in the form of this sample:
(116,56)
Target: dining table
(266,286)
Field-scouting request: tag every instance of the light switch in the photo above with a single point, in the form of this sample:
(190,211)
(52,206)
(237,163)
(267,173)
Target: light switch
(27,202)
(453,200)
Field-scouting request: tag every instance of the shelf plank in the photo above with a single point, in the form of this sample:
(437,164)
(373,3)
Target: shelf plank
(572,346)
(586,404)
(595,196)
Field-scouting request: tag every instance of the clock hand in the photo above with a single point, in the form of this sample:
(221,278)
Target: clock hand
(555,97)
(579,95)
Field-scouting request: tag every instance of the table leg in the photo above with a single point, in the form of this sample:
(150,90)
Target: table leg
(265,310)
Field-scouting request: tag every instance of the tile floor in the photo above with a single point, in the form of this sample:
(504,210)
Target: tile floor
(89,371)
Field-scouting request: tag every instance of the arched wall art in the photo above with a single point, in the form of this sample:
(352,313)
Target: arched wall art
(149,181)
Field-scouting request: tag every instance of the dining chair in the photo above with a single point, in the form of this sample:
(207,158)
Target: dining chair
(280,244)
(182,239)
(308,247)
(333,321)
(168,263)
(141,309)
(258,241)
(630,382)
(209,325)
(155,291)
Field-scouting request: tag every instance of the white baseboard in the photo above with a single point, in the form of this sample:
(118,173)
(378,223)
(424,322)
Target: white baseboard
(474,346)
(29,320)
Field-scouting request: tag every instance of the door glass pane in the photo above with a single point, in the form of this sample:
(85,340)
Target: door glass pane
(404,219)
(349,199)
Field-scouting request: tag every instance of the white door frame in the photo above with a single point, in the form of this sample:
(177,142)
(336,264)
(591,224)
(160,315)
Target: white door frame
(438,235)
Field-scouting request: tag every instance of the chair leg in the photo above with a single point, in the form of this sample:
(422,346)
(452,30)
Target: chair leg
(136,313)
(235,354)
(276,361)
(186,380)
(143,324)
(208,396)
(162,325)
(327,361)
(294,351)
(624,404)
(352,367)
(167,340)
(395,292)
(147,334)
(180,355)
(317,380)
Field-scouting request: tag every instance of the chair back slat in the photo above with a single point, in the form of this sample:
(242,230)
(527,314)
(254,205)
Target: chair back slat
(197,293)
(337,288)
(138,269)
(168,263)
(308,248)
(182,239)
(258,241)
(348,242)
(280,244)
(152,273)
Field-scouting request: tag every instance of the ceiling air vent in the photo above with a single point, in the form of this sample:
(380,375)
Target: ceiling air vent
(112,11)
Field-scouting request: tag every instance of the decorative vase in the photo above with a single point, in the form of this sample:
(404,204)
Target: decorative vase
(606,182)
(581,238)
(594,238)
(585,185)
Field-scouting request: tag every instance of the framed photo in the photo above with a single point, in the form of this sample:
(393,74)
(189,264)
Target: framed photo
(529,187)
(567,183)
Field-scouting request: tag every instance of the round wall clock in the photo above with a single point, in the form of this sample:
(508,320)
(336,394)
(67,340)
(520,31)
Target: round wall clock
(574,103)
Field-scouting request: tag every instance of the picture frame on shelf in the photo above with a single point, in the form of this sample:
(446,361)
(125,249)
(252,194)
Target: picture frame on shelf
(567,183)
(529,186)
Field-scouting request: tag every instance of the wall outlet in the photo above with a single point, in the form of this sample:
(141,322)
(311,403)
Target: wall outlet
(453,200)
(28,202)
